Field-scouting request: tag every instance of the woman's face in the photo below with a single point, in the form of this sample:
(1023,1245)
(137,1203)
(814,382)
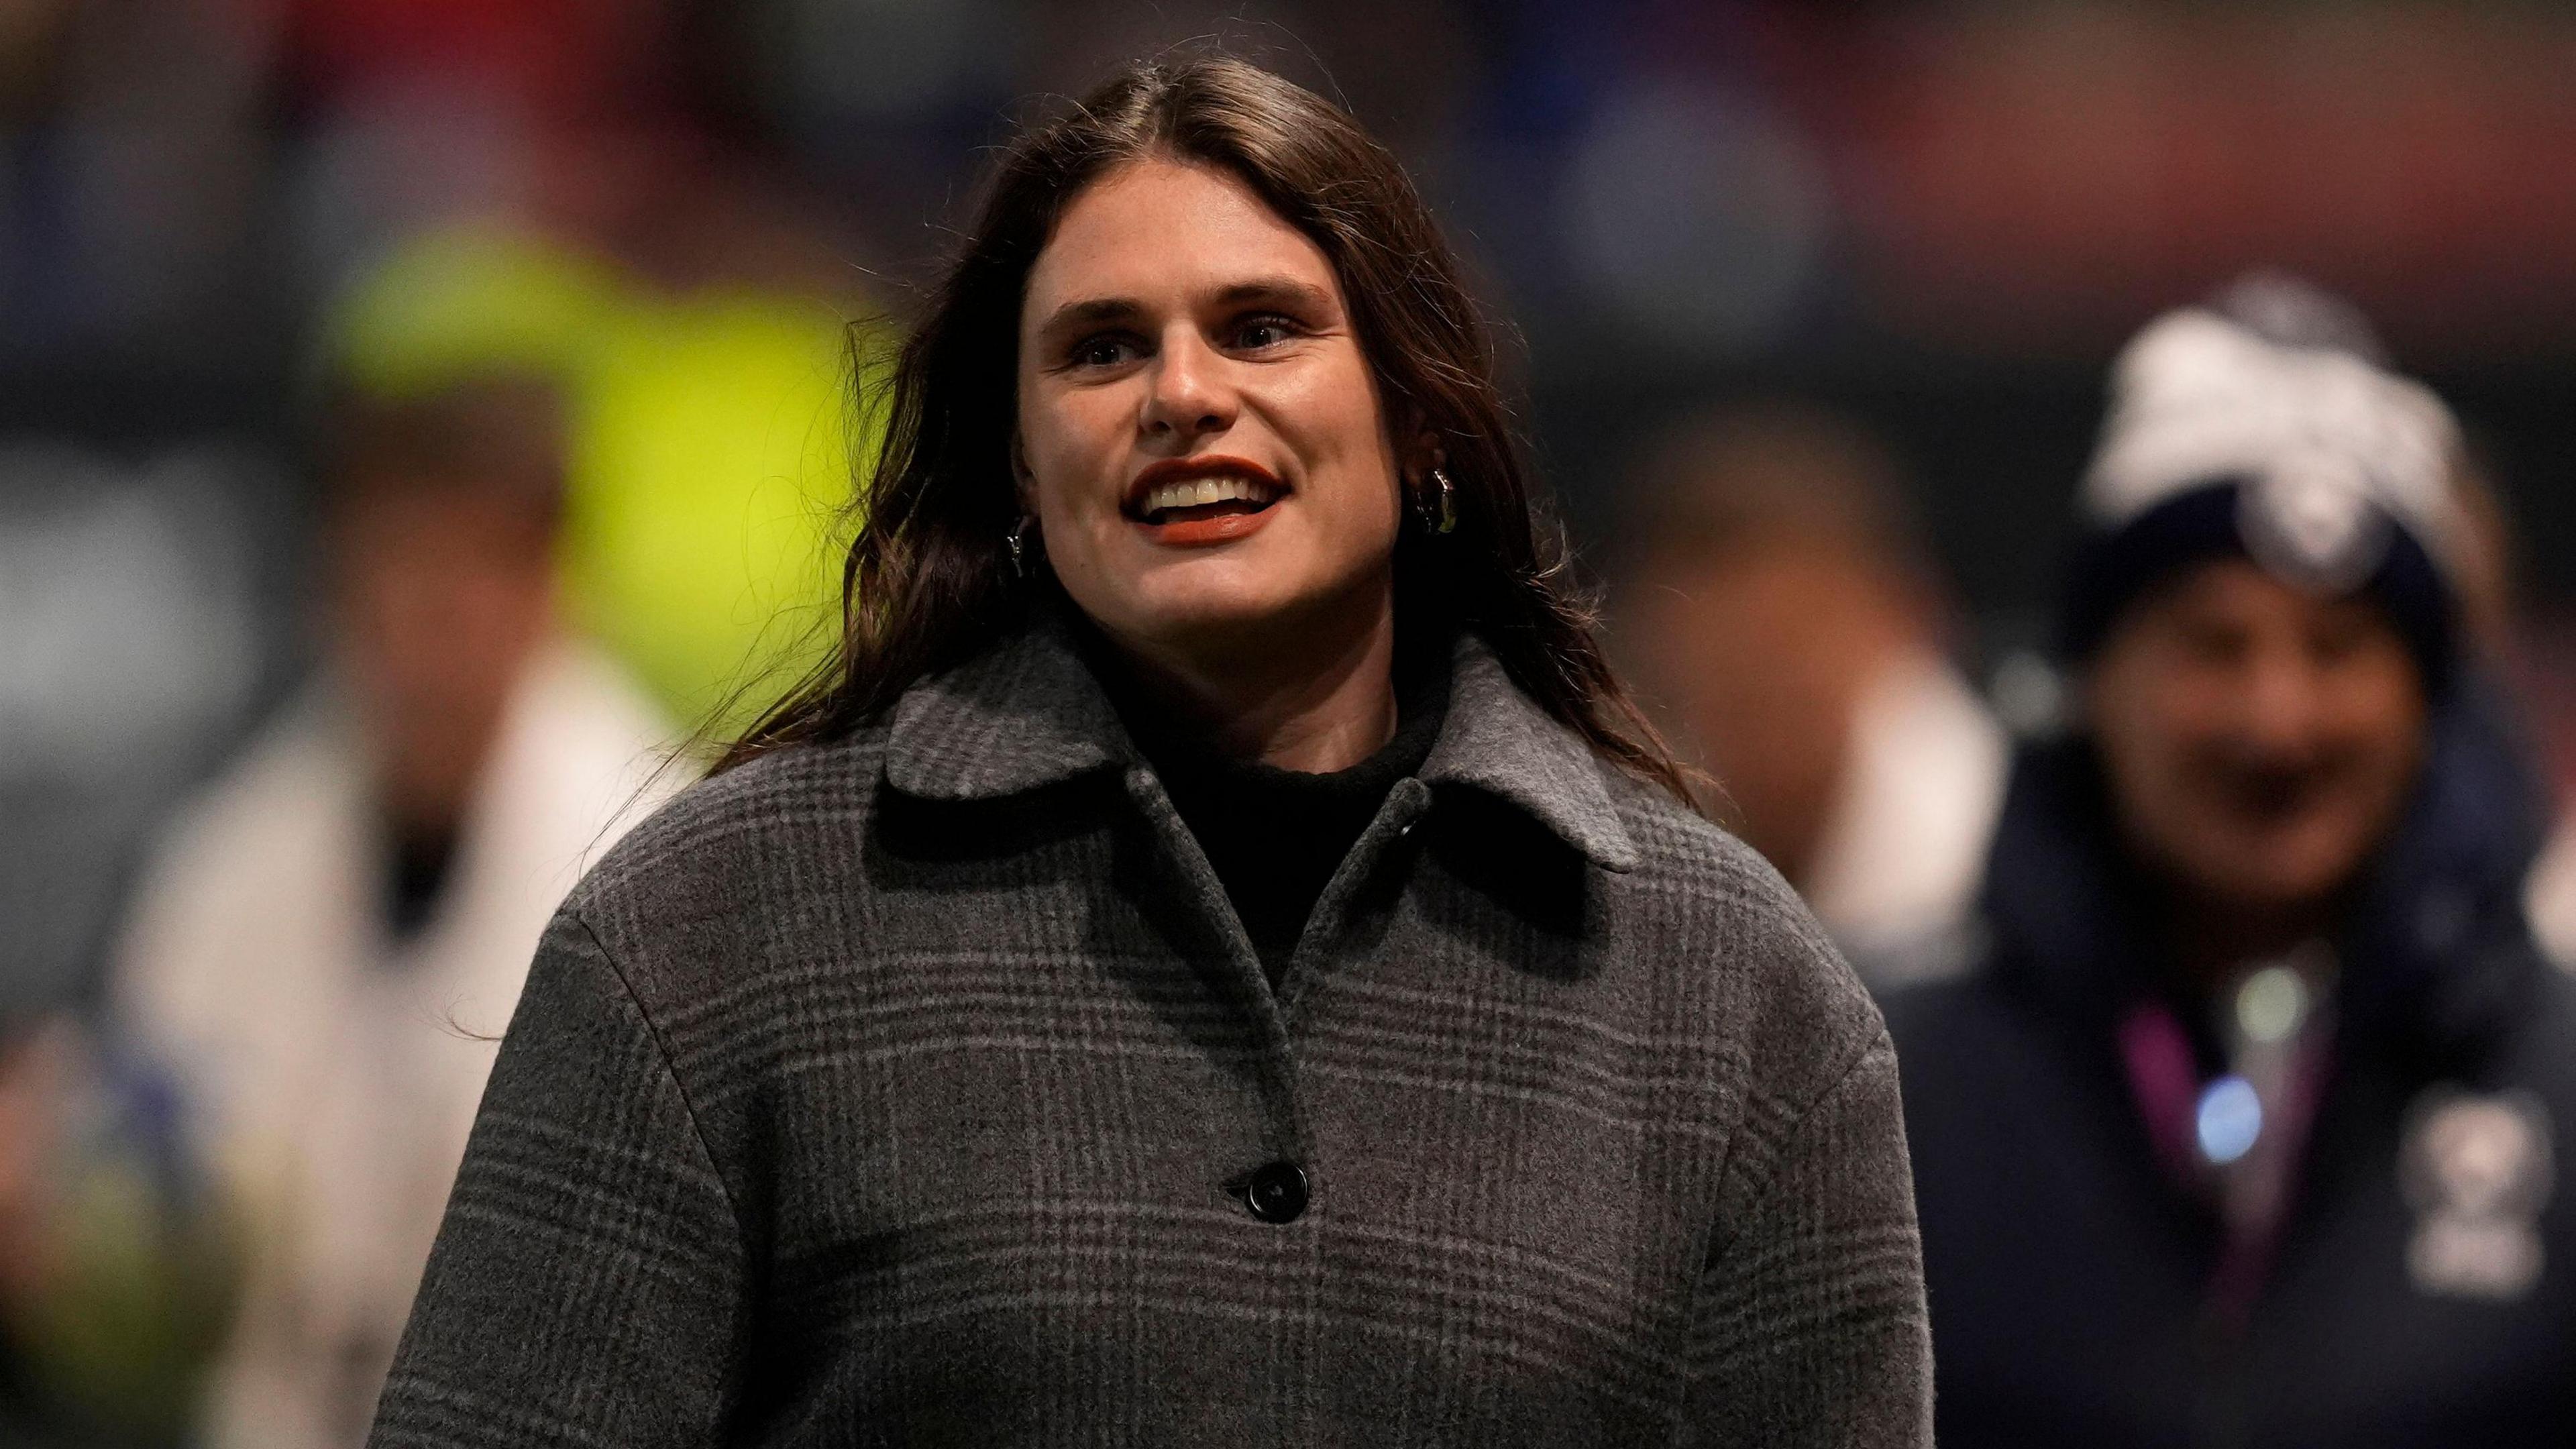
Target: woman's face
(1200,436)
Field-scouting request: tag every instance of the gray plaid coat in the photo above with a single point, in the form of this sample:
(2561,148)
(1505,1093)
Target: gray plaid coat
(923,1089)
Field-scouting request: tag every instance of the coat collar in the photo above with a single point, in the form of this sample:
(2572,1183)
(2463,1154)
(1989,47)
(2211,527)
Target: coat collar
(1027,713)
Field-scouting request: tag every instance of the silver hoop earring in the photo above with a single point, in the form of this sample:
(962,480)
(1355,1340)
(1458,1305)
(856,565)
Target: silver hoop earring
(1017,541)
(1440,510)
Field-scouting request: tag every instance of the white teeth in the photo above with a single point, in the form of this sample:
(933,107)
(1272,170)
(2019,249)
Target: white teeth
(1203,491)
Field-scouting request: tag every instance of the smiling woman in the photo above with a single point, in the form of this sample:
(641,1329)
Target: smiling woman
(1215,958)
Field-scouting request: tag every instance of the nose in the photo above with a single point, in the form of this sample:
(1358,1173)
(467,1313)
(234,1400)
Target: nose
(1187,396)
(2280,710)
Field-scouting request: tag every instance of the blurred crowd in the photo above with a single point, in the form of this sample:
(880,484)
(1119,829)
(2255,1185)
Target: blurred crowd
(2082,482)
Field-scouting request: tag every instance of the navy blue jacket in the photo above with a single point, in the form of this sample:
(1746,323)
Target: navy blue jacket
(2069,1275)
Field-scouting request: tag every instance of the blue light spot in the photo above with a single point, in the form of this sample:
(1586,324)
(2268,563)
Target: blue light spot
(2230,1118)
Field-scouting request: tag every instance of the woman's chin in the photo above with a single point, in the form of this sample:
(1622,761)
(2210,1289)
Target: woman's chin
(1229,614)
(1227,617)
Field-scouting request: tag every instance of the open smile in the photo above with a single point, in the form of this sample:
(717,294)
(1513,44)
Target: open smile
(1191,501)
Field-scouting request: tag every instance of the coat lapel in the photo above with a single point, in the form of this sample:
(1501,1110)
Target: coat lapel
(1498,740)
(1020,716)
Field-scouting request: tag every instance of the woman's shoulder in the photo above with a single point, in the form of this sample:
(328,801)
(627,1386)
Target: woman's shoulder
(1681,853)
(725,844)
(1676,841)
(1735,919)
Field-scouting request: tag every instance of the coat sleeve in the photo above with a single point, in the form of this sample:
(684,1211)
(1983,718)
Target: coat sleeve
(587,1287)
(1810,1327)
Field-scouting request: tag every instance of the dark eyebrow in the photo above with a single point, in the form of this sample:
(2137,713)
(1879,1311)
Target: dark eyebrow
(1286,290)
(1090,313)
(1281,290)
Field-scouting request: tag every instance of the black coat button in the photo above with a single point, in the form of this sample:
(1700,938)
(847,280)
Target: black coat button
(1277,1192)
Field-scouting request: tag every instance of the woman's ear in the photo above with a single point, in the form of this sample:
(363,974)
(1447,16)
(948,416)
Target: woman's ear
(1024,484)
(1422,456)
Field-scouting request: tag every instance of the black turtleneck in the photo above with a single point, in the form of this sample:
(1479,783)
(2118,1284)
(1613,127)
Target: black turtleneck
(1274,837)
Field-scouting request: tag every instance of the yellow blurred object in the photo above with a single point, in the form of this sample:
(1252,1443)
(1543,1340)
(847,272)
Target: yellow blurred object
(711,450)
(713,458)
(454,306)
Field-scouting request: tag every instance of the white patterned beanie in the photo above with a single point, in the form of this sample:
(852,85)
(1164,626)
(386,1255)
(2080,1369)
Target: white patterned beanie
(2227,438)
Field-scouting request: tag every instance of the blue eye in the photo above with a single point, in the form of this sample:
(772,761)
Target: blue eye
(1099,352)
(1256,333)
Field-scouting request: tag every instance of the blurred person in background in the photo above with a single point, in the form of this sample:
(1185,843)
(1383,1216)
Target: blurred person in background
(707,441)
(2248,1132)
(335,935)
(1773,606)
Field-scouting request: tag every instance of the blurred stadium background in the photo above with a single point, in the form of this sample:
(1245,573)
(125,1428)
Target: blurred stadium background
(1938,219)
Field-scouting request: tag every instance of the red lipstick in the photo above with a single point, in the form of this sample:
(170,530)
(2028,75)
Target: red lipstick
(1209,499)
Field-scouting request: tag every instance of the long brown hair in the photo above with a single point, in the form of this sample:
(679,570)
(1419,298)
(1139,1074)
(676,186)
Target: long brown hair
(929,579)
